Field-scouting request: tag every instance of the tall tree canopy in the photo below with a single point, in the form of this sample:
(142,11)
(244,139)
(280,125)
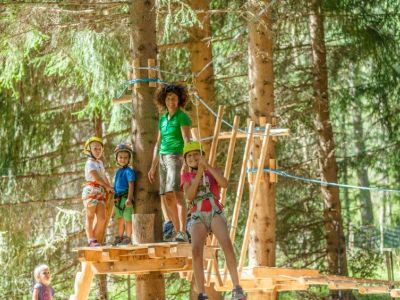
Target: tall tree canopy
(61,63)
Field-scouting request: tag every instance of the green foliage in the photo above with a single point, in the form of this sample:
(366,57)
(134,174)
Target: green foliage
(57,77)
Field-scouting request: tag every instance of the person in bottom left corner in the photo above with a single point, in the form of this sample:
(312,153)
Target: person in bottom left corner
(42,289)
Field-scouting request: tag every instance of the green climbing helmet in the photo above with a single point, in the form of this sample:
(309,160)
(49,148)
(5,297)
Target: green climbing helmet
(192,146)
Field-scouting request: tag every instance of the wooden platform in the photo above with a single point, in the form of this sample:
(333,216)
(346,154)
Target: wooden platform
(288,279)
(140,259)
(176,257)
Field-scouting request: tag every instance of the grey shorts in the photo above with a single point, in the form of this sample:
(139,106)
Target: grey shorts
(170,173)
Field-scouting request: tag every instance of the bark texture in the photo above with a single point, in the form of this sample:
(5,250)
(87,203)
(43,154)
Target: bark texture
(261,78)
(367,215)
(336,250)
(203,71)
(202,68)
(144,130)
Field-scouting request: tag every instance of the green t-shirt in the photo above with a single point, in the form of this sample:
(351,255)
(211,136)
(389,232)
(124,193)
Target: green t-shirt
(171,135)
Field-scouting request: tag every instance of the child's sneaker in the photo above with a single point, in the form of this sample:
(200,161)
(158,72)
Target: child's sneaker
(238,294)
(181,237)
(94,243)
(168,231)
(125,241)
(202,297)
(118,239)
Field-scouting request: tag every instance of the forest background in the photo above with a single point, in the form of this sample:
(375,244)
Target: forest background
(63,61)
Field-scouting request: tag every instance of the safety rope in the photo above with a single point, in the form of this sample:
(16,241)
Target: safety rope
(322,182)
(278,172)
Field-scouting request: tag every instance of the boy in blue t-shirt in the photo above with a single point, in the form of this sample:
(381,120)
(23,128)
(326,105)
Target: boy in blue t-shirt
(123,199)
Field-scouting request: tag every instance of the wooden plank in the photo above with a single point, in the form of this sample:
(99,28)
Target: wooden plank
(395,293)
(185,250)
(136,72)
(252,202)
(83,280)
(267,272)
(227,172)
(90,256)
(291,287)
(151,63)
(129,75)
(229,157)
(159,252)
(343,286)
(195,133)
(240,188)
(273,178)
(217,129)
(123,99)
(143,265)
(261,284)
(240,135)
(365,290)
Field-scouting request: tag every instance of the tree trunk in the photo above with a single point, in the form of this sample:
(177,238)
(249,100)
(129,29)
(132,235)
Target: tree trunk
(367,215)
(345,175)
(144,131)
(336,250)
(101,279)
(202,69)
(261,78)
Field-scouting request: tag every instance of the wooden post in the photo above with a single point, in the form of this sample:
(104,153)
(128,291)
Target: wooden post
(252,201)
(195,133)
(227,171)
(213,151)
(136,72)
(129,76)
(83,281)
(152,74)
(240,187)
(142,228)
(273,178)
(229,158)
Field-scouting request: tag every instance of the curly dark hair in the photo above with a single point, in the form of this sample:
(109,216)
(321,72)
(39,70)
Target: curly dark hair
(177,89)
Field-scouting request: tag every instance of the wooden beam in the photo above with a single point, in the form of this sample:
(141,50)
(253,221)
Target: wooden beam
(227,172)
(240,188)
(343,286)
(291,287)
(252,201)
(151,63)
(395,293)
(195,133)
(229,157)
(175,264)
(217,129)
(136,72)
(273,132)
(267,272)
(123,99)
(252,284)
(273,178)
(365,290)
(83,280)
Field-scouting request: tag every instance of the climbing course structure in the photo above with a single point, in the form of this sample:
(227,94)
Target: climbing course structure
(176,257)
